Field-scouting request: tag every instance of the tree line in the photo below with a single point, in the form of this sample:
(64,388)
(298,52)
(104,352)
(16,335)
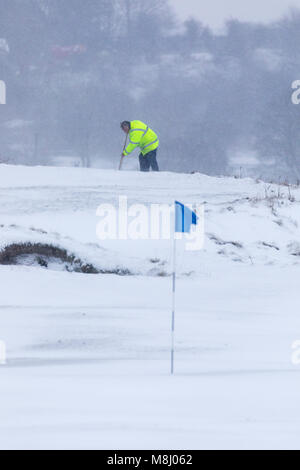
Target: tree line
(73,70)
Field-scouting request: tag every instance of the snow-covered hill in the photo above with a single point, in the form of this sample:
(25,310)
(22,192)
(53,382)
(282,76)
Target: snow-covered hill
(245,221)
(88,354)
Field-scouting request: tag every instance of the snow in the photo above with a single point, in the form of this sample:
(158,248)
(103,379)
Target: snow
(4,47)
(88,362)
(271,59)
(17,124)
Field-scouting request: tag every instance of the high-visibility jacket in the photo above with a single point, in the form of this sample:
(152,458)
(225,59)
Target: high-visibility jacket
(140,135)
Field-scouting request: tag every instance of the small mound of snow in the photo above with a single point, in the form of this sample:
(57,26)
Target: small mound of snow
(37,247)
(38,254)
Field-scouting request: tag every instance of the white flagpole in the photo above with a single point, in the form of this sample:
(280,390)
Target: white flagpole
(173,302)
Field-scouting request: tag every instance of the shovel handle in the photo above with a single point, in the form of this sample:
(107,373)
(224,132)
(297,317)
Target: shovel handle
(121,163)
(122,158)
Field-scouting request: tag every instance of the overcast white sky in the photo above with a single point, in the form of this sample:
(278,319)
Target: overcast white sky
(214,12)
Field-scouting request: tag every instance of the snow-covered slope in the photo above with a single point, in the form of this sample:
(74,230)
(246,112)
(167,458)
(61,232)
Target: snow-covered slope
(245,221)
(88,355)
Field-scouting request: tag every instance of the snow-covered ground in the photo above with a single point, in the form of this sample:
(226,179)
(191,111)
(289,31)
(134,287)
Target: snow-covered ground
(88,354)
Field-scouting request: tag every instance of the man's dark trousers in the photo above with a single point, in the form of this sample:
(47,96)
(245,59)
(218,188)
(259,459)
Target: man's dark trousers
(149,161)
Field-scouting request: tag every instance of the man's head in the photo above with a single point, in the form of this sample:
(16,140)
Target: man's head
(125,126)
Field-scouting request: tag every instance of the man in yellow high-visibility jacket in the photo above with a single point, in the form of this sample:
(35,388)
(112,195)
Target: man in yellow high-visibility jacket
(140,135)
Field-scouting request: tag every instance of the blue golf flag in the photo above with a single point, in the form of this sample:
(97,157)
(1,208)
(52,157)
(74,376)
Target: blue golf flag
(184,218)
